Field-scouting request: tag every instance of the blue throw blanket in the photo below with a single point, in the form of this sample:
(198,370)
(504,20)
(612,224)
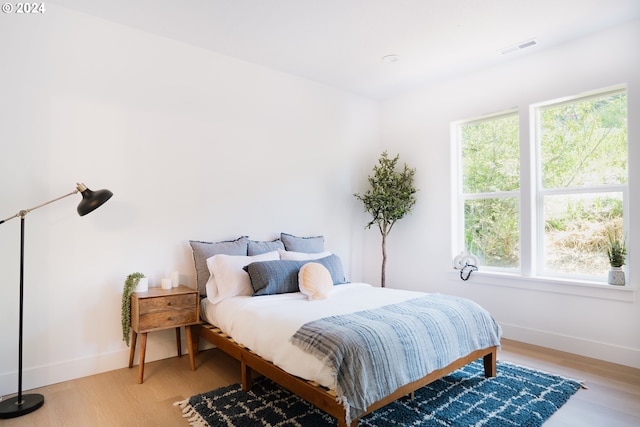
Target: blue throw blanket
(374,352)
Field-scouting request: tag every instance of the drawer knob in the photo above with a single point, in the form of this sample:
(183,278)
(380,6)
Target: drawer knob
(170,318)
(169,303)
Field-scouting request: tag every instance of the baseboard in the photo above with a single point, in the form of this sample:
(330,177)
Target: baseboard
(158,347)
(598,350)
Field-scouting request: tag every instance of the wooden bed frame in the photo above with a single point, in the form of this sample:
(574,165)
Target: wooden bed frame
(321,397)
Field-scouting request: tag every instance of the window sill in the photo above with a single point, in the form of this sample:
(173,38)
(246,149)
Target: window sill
(550,285)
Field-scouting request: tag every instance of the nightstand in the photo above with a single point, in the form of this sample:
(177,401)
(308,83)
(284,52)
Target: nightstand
(159,309)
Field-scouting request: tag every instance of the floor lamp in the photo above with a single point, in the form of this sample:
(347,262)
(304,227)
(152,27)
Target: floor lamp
(25,403)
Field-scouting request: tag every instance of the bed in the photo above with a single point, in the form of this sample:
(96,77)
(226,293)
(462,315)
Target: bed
(262,310)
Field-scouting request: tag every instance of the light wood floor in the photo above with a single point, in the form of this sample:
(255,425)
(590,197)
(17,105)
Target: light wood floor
(115,399)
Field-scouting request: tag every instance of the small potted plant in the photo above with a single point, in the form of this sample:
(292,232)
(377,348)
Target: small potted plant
(129,288)
(617,252)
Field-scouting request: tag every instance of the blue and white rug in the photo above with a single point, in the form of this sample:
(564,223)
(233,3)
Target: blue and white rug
(518,396)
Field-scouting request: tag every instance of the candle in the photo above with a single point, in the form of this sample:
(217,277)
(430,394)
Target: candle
(166,283)
(175,279)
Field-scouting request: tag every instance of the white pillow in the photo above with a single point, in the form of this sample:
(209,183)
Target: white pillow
(301,256)
(228,279)
(314,280)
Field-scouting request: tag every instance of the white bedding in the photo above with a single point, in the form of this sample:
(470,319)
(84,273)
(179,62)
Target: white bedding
(266,323)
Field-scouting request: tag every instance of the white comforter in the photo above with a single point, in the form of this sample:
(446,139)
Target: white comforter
(266,323)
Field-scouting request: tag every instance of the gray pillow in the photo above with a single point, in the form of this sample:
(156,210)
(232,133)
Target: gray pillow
(261,247)
(281,277)
(312,244)
(204,250)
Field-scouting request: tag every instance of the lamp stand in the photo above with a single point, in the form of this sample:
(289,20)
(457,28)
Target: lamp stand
(21,404)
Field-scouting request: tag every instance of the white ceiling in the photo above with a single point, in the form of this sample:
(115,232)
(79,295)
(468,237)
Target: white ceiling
(341,42)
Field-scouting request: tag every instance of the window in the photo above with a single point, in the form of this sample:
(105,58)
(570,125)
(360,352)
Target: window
(556,220)
(582,151)
(491,189)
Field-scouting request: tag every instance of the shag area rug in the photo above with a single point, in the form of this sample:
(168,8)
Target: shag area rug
(518,396)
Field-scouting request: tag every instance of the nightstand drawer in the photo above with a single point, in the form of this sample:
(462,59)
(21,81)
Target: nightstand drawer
(173,302)
(165,318)
(162,309)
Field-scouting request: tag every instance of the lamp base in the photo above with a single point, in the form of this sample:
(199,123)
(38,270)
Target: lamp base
(11,408)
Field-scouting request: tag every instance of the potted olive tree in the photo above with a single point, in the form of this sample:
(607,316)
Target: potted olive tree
(390,197)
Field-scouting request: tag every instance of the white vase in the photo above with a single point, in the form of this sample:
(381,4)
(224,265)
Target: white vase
(143,285)
(616,276)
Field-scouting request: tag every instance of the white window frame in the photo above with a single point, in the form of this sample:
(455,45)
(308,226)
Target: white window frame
(462,197)
(531,218)
(540,192)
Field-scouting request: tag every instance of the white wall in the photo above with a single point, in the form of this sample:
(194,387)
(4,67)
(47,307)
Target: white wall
(416,125)
(194,145)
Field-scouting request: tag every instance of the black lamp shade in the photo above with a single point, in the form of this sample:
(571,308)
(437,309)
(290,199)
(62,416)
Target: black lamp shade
(91,200)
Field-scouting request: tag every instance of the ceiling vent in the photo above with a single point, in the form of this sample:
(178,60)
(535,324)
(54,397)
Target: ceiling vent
(389,59)
(519,46)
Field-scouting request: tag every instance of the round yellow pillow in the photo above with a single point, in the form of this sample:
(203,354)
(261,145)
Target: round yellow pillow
(314,280)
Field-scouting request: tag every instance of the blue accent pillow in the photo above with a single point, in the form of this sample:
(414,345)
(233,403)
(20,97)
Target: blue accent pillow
(281,277)
(262,247)
(204,250)
(312,244)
